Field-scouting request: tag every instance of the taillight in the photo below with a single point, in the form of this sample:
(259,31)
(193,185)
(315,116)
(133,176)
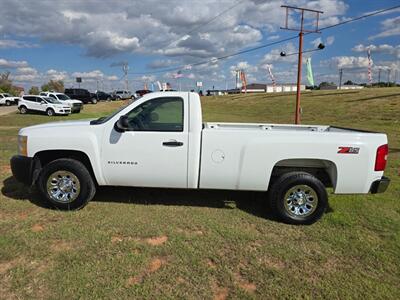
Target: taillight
(381,157)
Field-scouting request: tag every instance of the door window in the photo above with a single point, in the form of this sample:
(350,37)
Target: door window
(161,114)
(29,98)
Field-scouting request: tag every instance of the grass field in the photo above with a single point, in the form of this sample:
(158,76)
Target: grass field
(149,243)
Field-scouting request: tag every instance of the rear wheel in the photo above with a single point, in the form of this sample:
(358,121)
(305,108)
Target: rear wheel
(298,198)
(23,110)
(94,101)
(50,112)
(66,184)
(8,103)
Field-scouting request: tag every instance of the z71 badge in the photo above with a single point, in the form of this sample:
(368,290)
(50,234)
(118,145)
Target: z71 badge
(348,150)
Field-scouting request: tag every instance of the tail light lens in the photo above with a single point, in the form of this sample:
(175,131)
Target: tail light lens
(381,157)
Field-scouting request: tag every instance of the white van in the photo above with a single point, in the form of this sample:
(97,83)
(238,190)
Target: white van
(48,105)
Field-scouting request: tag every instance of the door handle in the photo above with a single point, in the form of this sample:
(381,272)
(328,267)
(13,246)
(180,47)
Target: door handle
(172,143)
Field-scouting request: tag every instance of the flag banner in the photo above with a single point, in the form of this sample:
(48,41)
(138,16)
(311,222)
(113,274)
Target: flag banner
(369,66)
(310,76)
(178,75)
(272,77)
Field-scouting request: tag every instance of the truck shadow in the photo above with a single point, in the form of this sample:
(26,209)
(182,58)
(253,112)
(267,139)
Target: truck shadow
(254,203)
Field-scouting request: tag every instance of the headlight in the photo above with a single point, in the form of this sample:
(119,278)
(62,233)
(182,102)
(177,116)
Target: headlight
(23,145)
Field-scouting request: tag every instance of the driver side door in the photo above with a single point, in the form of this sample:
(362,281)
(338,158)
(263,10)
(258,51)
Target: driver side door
(153,151)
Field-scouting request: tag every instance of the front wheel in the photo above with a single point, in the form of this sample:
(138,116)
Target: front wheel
(23,110)
(8,103)
(298,198)
(66,184)
(94,101)
(50,112)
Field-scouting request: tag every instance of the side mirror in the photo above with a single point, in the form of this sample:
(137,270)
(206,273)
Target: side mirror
(122,124)
(42,102)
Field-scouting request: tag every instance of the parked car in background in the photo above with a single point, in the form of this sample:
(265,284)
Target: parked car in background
(75,105)
(122,95)
(141,93)
(7,99)
(48,105)
(103,96)
(81,94)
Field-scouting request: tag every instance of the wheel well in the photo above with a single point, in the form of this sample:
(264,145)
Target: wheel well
(47,156)
(324,170)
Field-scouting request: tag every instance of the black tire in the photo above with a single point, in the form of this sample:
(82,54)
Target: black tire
(284,184)
(23,110)
(8,103)
(94,101)
(50,112)
(87,185)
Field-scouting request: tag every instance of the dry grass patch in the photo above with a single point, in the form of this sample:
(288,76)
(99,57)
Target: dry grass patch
(154,265)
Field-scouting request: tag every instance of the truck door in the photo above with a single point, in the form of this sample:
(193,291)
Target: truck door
(153,151)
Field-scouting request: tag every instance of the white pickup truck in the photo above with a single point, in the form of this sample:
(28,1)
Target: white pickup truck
(7,99)
(160,141)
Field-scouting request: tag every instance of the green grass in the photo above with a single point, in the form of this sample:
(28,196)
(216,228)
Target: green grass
(151,243)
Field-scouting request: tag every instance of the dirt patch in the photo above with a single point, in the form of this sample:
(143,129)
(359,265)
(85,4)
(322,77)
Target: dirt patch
(7,265)
(244,284)
(60,246)
(37,228)
(23,215)
(154,265)
(156,241)
(116,239)
(220,293)
(5,169)
(190,233)
(274,263)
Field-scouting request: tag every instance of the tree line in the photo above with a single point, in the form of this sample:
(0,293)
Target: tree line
(7,86)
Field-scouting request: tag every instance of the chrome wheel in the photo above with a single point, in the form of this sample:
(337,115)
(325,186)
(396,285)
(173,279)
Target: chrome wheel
(63,186)
(301,201)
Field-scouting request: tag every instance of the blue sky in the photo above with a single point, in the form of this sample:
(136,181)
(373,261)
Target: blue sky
(43,40)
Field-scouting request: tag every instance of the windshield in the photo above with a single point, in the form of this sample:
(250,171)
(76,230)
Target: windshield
(51,100)
(62,97)
(104,119)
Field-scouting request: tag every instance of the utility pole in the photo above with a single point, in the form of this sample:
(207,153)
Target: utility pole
(379,76)
(301,31)
(125,68)
(340,78)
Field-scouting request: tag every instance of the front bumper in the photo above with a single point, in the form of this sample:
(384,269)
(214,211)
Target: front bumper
(22,168)
(380,186)
(64,111)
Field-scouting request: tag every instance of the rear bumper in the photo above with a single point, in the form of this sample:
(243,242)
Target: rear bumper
(22,167)
(380,186)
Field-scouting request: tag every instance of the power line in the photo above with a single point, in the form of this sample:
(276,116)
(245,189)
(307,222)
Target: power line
(206,23)
(265,45)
